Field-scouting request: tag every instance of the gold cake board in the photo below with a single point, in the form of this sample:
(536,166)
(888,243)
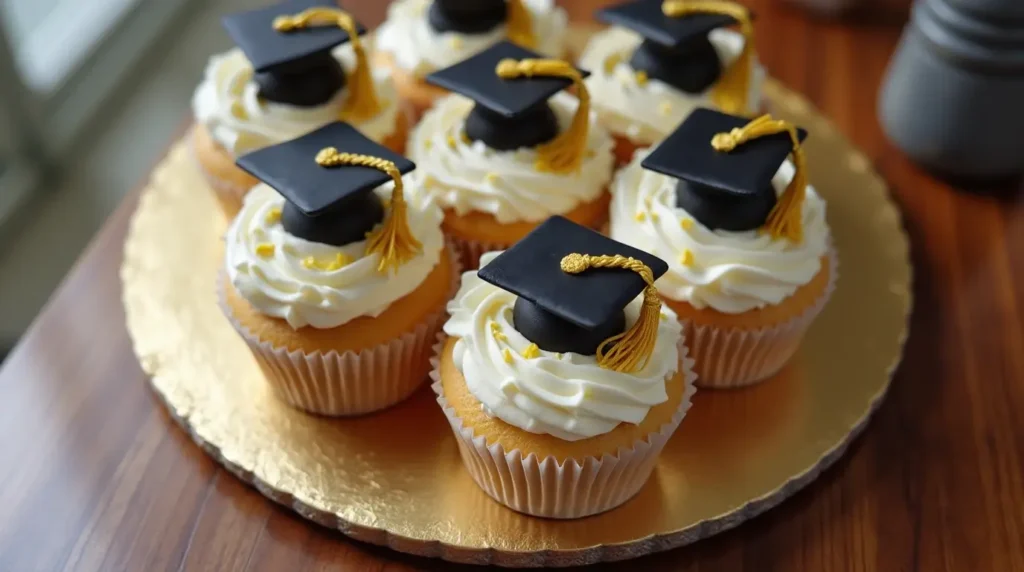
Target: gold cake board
(395,478)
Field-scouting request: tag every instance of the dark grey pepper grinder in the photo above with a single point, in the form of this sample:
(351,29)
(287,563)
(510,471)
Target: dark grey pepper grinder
(953,96)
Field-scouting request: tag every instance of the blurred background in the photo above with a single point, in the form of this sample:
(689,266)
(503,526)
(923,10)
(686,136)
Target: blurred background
(93,92)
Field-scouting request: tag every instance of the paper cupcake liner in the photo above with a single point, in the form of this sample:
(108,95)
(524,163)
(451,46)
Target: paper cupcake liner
(349,383)
(228,195)
(572,488)
(735,357)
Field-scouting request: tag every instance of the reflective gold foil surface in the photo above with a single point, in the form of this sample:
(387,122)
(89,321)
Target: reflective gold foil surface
(395,478)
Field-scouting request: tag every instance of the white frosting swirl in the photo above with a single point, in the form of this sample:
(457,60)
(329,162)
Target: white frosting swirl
(646,113)
(419,49)
(468,177)
(227,102)
(281,286)
(565,395)
(731,272)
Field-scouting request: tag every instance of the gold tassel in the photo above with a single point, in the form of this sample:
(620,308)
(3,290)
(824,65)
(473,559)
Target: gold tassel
(520,24)
(362,103)
(786,219)
(392,240)
(563,154)
(731,92)
(631,349)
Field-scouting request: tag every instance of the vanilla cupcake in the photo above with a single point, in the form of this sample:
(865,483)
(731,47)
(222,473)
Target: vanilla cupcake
(519,151)
(336,283)
(561,382)
(662,60)
(749,248)
(421,36)
(303,79)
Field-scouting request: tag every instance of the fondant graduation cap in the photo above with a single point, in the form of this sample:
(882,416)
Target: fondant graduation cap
(572,285)
(511,108)
(330,204)
(482,16)
(292,66)
(676,48)
(725,189)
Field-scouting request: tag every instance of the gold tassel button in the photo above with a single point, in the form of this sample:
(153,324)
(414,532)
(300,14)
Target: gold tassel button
(520,24)
(362,102)
(731,92)
(631,350)
(786,218)
(393,240)
(563,154)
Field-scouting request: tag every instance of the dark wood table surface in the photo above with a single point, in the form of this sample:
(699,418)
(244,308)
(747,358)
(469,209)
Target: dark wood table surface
(95,476)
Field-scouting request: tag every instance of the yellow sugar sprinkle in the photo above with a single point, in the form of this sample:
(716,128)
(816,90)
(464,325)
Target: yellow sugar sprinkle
(559,355)
(686,223)
(654,216)
(664,317)
(455,42)
(665,108)
(495,327)
(273,215)
(611,61)
(492,177)
(451,141)
(496,332)
(531,351)
(238,110)
(640,216)
(339,261)
(588,393)
(266,250)
(641,78)
(428,144)
(687,259)
(508,356)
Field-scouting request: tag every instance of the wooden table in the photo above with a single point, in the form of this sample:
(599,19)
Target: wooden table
(95,476)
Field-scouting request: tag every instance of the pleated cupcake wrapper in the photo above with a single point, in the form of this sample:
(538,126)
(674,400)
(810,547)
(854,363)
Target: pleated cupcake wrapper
(349,383)
(228,195)
(548,488)
(735,357)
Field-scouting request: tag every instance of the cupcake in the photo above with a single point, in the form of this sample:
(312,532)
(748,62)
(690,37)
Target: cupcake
(335,282)
(661,60)
(510,148)
(421,36)
(749,249)
(561,382)
(283,82)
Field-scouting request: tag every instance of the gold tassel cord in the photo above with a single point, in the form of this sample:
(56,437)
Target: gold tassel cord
(362,103)
(563,154)
(732,91)
(392,240)
(786,218)
(630,350)
(520,24)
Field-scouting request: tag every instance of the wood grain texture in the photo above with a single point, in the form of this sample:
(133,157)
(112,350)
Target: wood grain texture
(95,476)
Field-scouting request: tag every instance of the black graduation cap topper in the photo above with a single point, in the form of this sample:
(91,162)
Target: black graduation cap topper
(725,165)
(511,86)
(676,48)
(572,284)
(327,178)
(482,16)
(289,45)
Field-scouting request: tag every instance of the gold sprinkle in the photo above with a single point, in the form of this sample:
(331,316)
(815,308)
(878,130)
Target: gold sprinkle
(588,393)
(238,110)
(641,78)
(496,332)
(451,141)
(687,259)
(508,356)
(428,144)
(665,108)
(611,61)
(492,177)
(559,355)
(664,317)
(266,250)
(531,351)
(654,216)
(273,215)
(686,223)
(339,261)
(640,216)
(455,42)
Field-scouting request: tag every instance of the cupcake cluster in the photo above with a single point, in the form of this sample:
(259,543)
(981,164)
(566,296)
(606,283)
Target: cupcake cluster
(566,252)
